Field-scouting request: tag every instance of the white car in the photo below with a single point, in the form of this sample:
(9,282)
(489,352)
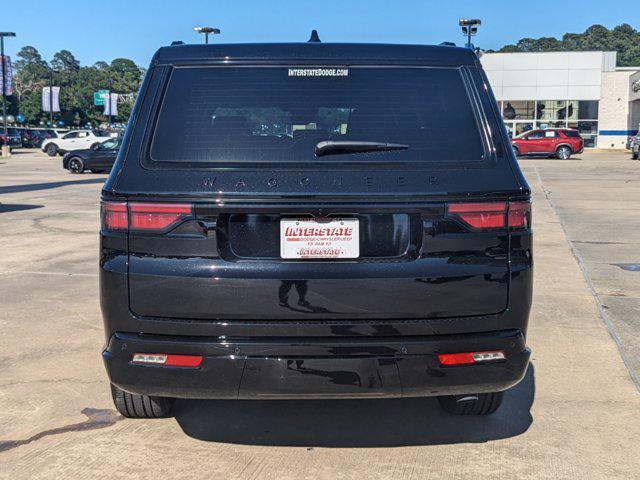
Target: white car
(73,140)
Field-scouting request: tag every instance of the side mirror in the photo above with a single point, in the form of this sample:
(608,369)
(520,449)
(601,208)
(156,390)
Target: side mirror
(95,147)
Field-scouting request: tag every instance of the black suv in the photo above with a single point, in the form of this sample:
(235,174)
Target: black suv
(12,138)
(297,221)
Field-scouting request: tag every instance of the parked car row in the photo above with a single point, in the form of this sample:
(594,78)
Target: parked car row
(28,137)
(82,150)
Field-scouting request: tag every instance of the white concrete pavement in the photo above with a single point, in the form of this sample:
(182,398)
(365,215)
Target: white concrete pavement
(576,414)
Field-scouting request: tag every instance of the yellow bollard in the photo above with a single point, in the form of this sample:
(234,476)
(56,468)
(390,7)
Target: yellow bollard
(6,151)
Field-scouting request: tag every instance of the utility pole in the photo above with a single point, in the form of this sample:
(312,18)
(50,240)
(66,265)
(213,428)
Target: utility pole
(5,148)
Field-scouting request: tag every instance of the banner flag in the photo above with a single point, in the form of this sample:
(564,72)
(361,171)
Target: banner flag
(111,107)
(52,102)
(8,75)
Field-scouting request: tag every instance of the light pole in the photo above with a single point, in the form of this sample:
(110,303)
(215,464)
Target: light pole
(206,31)
(5,148)
(51,95)
(109,104)
(469,28)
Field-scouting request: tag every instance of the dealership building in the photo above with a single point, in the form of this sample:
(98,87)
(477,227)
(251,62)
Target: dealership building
(581,90)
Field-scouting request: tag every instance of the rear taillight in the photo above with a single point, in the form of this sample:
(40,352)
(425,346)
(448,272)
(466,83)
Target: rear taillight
(492,215)
(156,216)
(480,215)
(114,216)
(519,215)
(145,217)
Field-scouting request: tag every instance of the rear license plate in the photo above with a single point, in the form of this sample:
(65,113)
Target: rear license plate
(311,238)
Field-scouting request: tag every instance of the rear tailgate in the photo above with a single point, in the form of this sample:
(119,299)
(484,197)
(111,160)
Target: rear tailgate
(236,145)
(414,262)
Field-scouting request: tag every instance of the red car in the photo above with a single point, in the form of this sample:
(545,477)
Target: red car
(557,142)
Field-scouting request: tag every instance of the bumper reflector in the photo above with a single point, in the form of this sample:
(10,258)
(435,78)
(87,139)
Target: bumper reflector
(470,358)
(167,360)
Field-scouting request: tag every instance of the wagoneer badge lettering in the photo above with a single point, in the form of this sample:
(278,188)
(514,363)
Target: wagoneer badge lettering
(208,182)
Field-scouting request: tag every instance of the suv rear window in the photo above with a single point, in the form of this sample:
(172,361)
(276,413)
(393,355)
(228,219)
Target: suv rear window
(279,114)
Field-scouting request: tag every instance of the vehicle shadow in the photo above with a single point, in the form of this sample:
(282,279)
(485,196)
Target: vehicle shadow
(352,423)
(17,207)
(30,187)
(554,159)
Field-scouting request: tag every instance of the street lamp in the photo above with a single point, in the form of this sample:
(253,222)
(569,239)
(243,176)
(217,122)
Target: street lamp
(206,31)
(109,104)
(469,28)
(51,72)
(5,148)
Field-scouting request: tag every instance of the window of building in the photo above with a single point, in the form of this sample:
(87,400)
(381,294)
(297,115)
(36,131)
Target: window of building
(519,110)
(582,109)
(551,109)
(521,116)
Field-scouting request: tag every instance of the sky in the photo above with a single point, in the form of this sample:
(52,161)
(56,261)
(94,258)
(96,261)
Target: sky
(107,29)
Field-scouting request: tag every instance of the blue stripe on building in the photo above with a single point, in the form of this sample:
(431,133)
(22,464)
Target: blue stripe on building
(618,132)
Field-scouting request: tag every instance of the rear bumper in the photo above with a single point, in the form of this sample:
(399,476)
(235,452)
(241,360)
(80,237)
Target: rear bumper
(316,368)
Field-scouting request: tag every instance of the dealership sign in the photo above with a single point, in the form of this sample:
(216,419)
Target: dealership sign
(8,75)
(51,99)
(110,105)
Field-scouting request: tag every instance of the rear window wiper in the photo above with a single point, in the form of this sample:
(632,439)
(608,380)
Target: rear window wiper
(342,147)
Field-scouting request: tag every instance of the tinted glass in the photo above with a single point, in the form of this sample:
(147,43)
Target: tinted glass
(277,114)
(110,144)
(12,131)
(571,133)
(536,134)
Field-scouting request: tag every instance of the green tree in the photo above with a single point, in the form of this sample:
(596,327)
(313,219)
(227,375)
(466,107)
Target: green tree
(624,39)
(28,55)
(64,61)
(77,86)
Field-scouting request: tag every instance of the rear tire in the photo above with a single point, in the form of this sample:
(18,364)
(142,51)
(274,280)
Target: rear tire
(131,405)
(516,151)
(52,149)
(563,153)
(471,404)
(75,165)
(634,156)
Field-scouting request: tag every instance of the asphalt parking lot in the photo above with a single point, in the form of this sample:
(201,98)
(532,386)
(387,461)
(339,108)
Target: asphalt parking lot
(575,415)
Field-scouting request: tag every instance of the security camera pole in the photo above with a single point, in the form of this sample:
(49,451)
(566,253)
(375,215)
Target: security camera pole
(206,31)
(5,148)
(469,28)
